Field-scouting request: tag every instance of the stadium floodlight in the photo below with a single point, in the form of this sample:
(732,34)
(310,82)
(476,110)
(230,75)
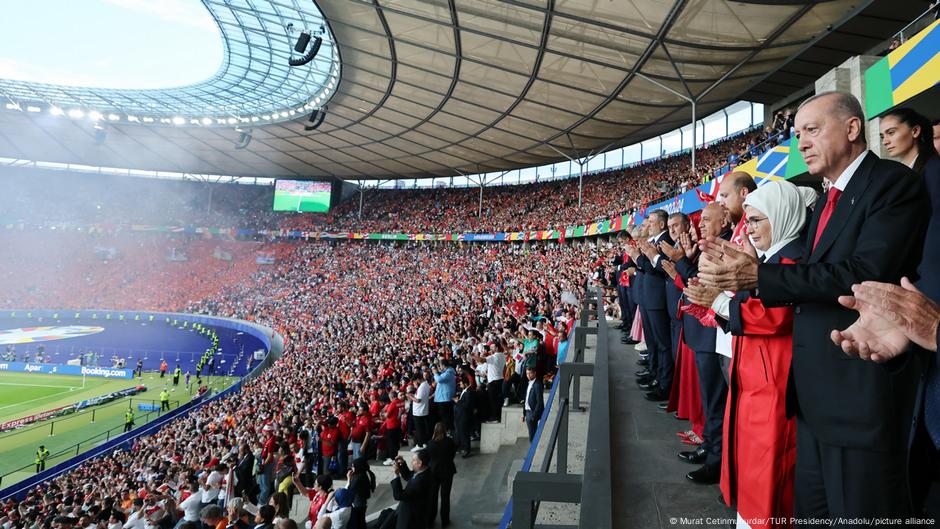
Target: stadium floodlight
(133,119)
(207,121)
(94,115)
(302,42)
(309,56)
(244,138)
(13,106)
(148,120)
(178,121)
(33,109)
(232,121)
(316,117)
(113,117)
(254,119)
(76,113)
(56,111)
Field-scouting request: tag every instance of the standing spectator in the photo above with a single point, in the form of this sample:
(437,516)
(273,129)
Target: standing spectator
(411,488)
(244,480)
(463,411)
(393,433)
(345,423)
(534,402)
(362,431)
(329,441)
(361,482)
(442,450)
(446,388)
(420,410)
(494,363)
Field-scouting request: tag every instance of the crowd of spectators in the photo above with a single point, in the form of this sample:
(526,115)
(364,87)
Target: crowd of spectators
(365,326)
(114,202)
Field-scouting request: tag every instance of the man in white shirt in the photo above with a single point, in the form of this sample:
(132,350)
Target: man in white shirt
(191,505)
(420,408)
(494,363)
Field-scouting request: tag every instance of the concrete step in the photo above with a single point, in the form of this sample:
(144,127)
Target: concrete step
(514,467)
(491,437)
(486,519)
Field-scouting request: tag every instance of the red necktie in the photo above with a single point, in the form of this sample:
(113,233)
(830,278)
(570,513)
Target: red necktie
(831,199)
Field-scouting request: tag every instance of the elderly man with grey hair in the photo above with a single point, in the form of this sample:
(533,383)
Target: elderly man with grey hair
(852,417)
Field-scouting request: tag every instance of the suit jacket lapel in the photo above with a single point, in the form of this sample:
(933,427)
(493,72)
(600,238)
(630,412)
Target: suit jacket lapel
(844,208)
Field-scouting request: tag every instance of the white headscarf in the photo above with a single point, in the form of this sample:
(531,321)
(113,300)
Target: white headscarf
(809,196)
(785,208)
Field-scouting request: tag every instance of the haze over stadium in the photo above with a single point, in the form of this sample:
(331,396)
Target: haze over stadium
(345,264)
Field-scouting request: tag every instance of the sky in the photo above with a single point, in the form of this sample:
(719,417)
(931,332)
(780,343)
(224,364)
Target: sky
(109,43)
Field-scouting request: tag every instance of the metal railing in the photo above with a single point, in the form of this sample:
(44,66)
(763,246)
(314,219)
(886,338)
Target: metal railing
(592,489)
(75,449)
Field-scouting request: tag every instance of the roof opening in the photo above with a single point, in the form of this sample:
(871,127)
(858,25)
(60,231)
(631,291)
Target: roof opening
(120,44)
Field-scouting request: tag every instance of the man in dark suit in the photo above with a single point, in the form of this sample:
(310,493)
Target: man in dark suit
(463,417)
(853,417)
(656,327)
(411,488)
(895,321)
(534,403)
(244,481)
(714,222)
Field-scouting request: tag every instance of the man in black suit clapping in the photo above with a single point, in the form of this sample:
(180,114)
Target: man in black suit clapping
(853,417)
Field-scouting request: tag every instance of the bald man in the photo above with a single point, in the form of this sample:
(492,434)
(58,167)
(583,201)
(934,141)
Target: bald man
(712,369)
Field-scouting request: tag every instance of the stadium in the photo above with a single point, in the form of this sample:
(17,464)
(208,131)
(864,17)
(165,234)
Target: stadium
(341,264)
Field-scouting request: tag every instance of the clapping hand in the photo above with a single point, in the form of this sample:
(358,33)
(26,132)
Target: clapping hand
(890,318)
(648,250)
(669,267)
(701,294)
(726,267)
(670,251)
(688,245)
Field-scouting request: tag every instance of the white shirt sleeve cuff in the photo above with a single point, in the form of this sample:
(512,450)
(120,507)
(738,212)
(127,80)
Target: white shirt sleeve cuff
(722,306)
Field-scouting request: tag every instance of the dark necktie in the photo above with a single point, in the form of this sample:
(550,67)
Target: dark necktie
(831,199)
(932,404)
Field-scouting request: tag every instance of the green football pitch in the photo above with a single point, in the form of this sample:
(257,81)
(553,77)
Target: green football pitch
(24,394)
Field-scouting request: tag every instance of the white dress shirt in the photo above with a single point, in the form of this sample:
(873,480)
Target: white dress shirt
(528,392)
(843,181)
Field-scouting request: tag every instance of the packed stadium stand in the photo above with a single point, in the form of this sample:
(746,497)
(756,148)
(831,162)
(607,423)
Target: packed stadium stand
(444,341)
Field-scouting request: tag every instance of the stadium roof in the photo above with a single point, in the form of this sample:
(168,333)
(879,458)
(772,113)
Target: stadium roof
(439,88)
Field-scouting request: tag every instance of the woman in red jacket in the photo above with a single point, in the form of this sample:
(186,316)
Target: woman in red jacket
(759,452)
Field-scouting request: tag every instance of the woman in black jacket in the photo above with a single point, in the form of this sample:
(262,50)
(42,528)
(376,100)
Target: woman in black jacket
(361,482)
(442,450)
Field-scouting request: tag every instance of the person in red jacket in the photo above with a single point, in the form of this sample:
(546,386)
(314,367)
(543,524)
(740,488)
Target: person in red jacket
(329,443)
(361,430)
(346,420)
(759,451)
(393,433)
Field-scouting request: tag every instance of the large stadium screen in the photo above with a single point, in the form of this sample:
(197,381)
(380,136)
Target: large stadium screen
(302,195)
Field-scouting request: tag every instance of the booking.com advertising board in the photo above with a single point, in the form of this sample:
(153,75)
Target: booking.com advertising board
(58,369)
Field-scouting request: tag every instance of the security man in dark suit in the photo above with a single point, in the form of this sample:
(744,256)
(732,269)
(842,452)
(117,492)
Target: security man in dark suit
(411,488)
(534,403)
(853,417)
(656,327)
